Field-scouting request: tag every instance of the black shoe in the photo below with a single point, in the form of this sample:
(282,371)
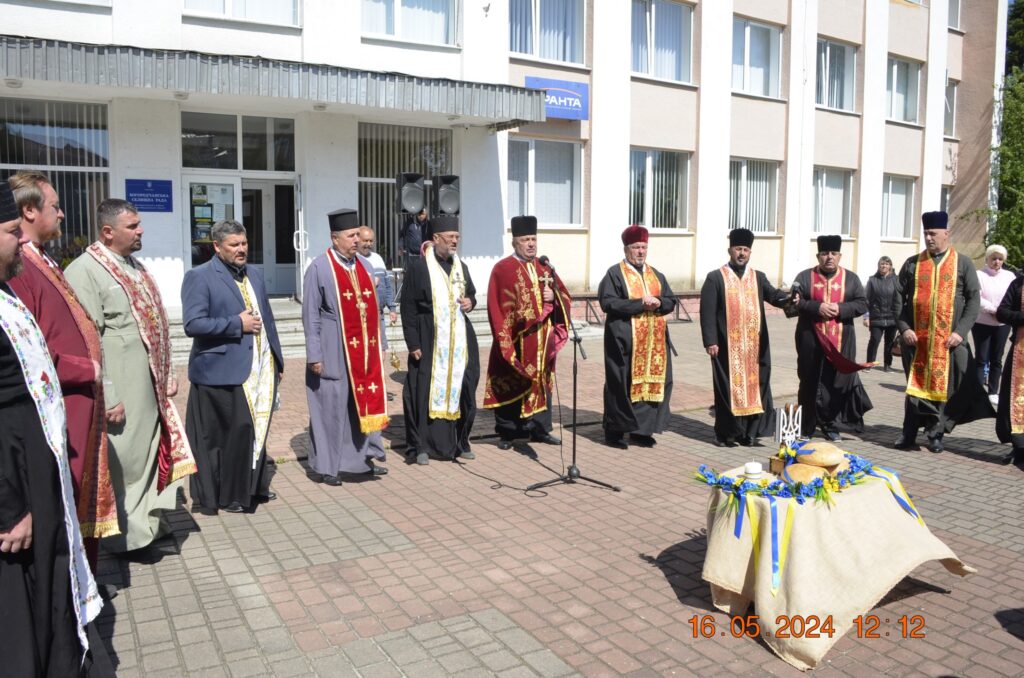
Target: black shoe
(905,443)
(468,454)
(831,436)
(887,368)
(616,442)
(391,396)
(269,495)
(234,507)
(546,439)
(728,442)
(377,470)
(504,444)
(642,440)
(935,444)
(333,481)
(745,441)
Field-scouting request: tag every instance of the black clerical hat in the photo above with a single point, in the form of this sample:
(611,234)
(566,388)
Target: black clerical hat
(343,219)
(830,243)
(935,221)
(8,207)
(524,226)
(741,237)
(444,224)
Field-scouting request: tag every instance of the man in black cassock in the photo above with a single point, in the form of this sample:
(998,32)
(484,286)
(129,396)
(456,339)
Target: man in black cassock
(826,347)
(637,374)
(938,300)
(1010,415)
(47,592)
(732,305)
(439,399)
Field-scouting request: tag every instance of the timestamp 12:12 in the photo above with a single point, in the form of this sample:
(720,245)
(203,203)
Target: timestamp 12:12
(868,626)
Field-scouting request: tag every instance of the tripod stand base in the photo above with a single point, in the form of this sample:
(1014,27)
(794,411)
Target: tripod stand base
(572,475)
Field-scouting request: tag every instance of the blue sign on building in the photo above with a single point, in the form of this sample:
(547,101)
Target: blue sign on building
(563,98)
(149,195)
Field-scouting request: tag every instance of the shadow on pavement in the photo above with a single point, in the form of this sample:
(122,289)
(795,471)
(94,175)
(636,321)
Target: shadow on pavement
(681,565)
(1012,621)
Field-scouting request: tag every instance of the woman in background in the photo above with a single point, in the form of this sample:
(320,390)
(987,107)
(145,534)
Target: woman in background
(989,334)
(881,317)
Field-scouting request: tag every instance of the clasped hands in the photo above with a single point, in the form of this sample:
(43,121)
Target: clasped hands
(828,310)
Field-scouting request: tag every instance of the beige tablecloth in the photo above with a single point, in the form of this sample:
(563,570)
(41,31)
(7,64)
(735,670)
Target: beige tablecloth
(842,560)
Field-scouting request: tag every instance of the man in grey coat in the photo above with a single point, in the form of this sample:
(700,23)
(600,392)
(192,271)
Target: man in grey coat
(344,359)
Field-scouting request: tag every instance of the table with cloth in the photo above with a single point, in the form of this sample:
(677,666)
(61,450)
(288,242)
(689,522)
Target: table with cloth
(833,559)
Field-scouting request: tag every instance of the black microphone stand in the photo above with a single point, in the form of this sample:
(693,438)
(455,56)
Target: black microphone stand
(572,474)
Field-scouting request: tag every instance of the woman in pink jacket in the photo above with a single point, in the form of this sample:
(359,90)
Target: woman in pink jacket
(989,334)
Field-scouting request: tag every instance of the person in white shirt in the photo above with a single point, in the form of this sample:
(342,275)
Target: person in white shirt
(989,334)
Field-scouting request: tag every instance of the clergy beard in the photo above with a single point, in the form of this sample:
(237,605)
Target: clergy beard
(9,269)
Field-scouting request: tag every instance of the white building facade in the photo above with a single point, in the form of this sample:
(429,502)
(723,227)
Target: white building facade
(789,117)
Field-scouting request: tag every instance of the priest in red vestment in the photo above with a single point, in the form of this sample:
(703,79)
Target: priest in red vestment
(528,308)
(74,345)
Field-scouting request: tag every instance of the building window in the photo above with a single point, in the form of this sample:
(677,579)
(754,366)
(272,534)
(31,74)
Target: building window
(897,207)
(428,21)
(384,151)
(837,68)
(901,90)
(69,142)
(949,120)
(544,180)
(954,14)
(658,183)
(212,140)
(285,12)
(944,197)
(559,23)
(755,58)
(753,194)
(833,199)
(667,26)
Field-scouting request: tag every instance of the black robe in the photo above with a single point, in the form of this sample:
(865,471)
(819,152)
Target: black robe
(38,622)
(714,331)
(1010,312)
(439,437)
(826,395)
(621,415)
(967,399)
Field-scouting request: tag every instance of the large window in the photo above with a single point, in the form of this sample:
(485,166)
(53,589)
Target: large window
(265,11)
(897,207)
(949,119)
(658,183)
(384,151)
(544,179)
(954,14)
(662,36)
(212,140)
(70,143)
(429,21)
(837,69)
(833,199)
(755,58)
(901,90)
(549,29)
(753,194)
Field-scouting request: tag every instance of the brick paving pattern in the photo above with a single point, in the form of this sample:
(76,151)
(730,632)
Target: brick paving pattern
(451,569)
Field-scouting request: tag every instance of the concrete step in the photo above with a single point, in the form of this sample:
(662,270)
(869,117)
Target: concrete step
(288,317)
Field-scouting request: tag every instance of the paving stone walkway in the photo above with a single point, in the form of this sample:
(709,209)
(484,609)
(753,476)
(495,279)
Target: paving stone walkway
(452,569)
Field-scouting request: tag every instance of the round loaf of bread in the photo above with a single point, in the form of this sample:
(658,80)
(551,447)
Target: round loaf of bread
(840,467)
(804,473)
(820,454)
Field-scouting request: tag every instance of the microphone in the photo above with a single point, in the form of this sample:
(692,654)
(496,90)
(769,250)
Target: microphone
(544,261)
(794,290)
(790,309)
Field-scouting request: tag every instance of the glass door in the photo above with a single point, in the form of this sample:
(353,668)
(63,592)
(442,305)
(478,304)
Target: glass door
(268,214)
(209,200)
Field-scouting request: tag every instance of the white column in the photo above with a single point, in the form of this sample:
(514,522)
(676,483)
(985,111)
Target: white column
(997,104)
(480,153)
(875,53)
(934,106)
(799,214)
(713,137)
(610,135)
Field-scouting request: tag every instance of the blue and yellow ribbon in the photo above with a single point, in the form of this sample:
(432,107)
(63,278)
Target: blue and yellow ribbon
(899,493)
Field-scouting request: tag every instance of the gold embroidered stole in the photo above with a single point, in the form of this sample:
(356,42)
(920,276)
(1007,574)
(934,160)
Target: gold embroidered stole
(1017,382)
(450,357)
(649,363)
(259,385)
(743,325)
(932,305)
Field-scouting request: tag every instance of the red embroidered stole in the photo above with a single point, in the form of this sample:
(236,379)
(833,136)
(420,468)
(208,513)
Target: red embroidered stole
(1017,383)
(360,335)
(743,324)
(830,332)
(649,364)
(97,510)
(174,456)
(932,305)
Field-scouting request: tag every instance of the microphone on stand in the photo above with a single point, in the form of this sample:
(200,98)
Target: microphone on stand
(544,261)
(790,309)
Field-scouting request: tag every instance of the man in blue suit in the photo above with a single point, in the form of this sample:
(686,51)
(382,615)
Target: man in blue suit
(234,367)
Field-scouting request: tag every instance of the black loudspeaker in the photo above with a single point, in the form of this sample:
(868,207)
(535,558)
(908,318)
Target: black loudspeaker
(411,196)
(445,193)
